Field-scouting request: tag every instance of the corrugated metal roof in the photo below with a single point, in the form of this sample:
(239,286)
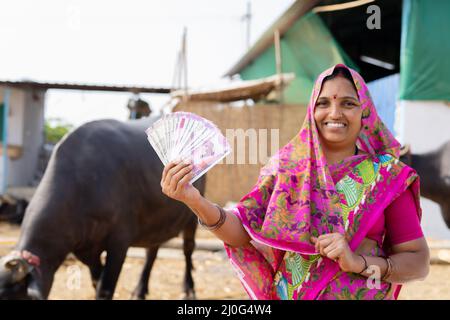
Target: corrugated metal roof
(82,86)
(298,9)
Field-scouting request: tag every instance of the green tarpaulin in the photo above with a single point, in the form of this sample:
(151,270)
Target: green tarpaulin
(425,52)
(307,49)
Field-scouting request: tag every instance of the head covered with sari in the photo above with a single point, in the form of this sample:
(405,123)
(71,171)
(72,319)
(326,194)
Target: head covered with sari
(298,195)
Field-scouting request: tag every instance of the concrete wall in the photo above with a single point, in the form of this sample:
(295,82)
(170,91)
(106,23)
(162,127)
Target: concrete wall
(15,116)
(425,125)
(25,129)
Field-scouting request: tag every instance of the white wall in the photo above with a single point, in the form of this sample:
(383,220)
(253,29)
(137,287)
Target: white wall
(15,117)
(15,123)
(425,125)
(25,129)
(21,171)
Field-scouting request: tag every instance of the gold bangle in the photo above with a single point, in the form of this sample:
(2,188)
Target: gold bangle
(218,224)
(389,269)
(365,264)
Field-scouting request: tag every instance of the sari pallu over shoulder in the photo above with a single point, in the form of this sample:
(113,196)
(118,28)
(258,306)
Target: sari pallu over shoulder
(295,197)
(257,263)
(328,281)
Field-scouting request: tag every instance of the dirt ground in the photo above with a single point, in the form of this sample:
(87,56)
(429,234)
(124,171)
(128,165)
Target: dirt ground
(213,276)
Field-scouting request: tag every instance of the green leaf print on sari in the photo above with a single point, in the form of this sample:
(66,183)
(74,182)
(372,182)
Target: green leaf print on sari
(367,171)
(385,159)
(298,267)
(352,191)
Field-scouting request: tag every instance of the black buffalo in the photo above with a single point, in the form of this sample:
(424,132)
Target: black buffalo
(100,193)
(434,171)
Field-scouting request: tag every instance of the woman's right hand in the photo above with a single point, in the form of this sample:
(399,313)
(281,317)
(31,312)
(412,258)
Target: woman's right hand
(175,182)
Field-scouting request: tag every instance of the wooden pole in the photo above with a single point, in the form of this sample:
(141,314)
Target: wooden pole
(184,67)
(180,78)
(278,64)
(248,17)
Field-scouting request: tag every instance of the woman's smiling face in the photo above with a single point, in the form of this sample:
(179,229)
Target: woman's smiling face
(337,113)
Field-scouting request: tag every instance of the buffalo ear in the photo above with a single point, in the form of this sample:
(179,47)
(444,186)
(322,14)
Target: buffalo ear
(18,267)
(405,150)
(11,264)
(8,199)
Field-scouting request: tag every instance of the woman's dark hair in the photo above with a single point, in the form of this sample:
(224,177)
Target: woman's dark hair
(341,72)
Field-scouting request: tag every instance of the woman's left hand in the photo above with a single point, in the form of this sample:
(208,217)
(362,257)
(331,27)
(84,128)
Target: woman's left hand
(335,247)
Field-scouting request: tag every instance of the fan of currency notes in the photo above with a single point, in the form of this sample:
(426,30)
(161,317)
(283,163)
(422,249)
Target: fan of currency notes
(189,137)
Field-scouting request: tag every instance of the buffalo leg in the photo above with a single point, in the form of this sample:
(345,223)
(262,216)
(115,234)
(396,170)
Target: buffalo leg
(188,248)
(142,287)
(111,271)
(96,269)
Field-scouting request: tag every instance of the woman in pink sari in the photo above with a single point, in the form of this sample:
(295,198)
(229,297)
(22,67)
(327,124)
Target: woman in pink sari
(334,214)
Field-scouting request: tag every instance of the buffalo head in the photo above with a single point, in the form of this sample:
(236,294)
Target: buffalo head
(18,273)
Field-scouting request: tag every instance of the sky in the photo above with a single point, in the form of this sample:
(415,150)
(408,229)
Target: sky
(133,42)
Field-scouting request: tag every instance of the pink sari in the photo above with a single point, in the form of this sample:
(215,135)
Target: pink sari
(298,195)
